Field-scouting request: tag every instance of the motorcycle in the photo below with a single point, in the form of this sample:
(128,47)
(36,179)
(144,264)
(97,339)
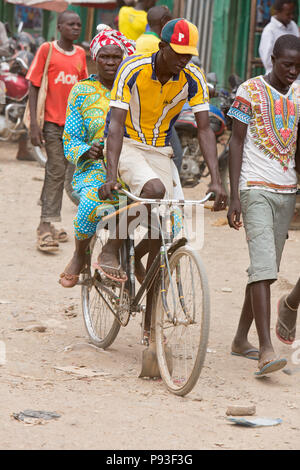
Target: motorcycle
(193,166)
(13,94)
(14,89)
(13,85)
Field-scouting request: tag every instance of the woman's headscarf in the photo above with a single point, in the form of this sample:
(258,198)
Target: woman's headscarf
(107,37)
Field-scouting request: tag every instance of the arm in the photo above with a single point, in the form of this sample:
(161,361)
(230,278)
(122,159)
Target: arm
(36,134)
(35,75)
(113,151)
(208,146)
(239,130)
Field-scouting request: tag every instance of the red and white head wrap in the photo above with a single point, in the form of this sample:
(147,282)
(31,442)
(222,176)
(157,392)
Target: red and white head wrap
(111,37)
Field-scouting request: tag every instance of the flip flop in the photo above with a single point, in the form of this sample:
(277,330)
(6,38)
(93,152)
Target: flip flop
(60,235)
(271,366)
(100,267)
(247,354)
(283,325)
(47,243)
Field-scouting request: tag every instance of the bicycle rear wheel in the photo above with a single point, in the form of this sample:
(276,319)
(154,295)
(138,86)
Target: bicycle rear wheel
(181,344)
(99,303)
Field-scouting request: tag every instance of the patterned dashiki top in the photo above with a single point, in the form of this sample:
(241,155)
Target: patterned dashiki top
(88,105)
(270,144)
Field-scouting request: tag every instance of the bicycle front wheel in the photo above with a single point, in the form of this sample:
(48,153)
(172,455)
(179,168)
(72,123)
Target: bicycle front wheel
(182,336)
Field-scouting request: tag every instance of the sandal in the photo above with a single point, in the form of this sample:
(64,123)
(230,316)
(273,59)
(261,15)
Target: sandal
(59,234)
(100,267)
(47,243)
(270,366)
(251,353)
(291,333)
(70,280)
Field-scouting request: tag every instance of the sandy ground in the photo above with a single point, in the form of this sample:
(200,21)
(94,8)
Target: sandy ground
(118,410)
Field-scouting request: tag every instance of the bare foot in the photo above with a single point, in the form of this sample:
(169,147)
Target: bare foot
(265,357)
(70,276)
(269,363)
(44,227)
(45,240)
(76,264)
(245,349)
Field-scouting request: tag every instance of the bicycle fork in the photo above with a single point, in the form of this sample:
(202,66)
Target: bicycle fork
(164,265)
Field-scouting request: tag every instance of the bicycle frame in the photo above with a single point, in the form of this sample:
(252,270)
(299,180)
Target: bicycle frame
(160,263)
(173,297)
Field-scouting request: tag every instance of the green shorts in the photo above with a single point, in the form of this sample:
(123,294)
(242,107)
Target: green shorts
(266,217)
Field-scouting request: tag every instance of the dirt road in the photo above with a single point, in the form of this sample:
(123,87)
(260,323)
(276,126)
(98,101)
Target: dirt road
(115,409)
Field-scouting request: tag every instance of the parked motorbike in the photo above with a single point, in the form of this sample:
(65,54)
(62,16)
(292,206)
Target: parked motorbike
(13,94)
(14,89)
(13,85)
(193,166)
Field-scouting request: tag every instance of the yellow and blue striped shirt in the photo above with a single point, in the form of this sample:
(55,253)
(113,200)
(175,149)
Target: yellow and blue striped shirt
(152,107)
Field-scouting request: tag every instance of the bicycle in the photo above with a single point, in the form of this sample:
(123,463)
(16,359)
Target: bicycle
(180,314)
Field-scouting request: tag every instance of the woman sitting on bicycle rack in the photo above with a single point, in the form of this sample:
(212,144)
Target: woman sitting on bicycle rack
(88,106)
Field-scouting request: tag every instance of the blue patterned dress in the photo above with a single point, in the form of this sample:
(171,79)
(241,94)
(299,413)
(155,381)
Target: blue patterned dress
(88,105)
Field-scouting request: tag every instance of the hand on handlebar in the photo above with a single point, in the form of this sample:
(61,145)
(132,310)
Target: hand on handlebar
(105,191)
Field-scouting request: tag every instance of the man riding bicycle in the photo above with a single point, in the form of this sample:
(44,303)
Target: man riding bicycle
(148,94)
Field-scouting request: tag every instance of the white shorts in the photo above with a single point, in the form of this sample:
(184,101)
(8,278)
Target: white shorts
(140,163)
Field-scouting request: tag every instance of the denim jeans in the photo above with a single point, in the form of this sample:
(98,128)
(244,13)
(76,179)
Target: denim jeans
(58,173)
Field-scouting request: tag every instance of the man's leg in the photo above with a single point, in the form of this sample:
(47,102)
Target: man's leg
(293,299)
(288,305)
(240,344)
(52,192)
(260,212)
(260,293)
(143,169)
(140,251)
(109,256)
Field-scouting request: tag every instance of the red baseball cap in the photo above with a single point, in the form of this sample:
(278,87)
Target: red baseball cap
(181,35)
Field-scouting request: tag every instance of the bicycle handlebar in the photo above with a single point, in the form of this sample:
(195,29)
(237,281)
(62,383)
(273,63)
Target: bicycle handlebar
(178,202)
